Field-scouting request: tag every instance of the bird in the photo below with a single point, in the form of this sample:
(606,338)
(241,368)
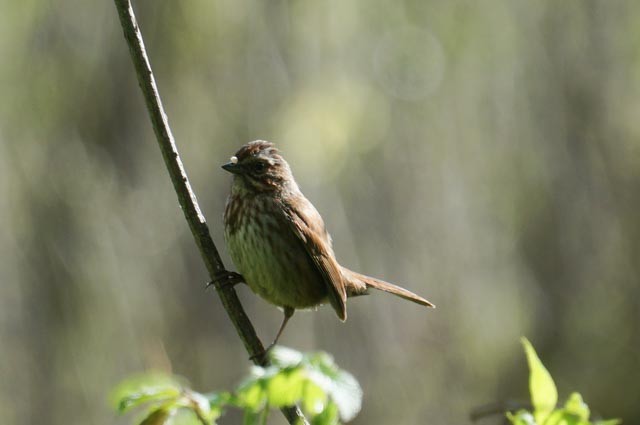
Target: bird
(278,240)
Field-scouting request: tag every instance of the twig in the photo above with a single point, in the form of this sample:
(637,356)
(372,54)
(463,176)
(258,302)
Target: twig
(497,408)
(187,197)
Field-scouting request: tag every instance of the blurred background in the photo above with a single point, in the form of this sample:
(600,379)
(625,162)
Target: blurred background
(483,154)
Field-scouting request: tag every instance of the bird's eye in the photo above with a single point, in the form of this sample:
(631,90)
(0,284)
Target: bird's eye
(259,167)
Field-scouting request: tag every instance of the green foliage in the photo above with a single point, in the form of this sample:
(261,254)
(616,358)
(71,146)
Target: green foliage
(167,399)
(326,393)
(544,397)
(544,394)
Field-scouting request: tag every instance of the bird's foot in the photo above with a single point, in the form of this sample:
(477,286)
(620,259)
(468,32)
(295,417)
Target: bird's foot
(225,278)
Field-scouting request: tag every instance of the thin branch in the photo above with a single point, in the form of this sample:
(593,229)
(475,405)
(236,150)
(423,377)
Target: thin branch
(497,408)
(187,197)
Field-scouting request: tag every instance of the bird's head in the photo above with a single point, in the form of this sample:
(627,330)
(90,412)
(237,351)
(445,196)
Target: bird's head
(259,167)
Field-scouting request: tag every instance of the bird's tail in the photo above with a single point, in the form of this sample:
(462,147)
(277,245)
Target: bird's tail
(357,284)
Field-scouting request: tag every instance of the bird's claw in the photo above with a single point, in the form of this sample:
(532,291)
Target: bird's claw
(225,278)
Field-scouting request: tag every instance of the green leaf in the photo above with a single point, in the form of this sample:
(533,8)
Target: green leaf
(562,417)
(577,407)
(251,417)
(544,394)
(557,417)
(252,397)
(347,395)
(285,388)
(324,363)
(326,393)
(185,416)
(341,386)
(312,379)
(157,417)
(521,417)
(329,416)
(199,404)
(144,388)
(283,357)
(314,399)
(219,400)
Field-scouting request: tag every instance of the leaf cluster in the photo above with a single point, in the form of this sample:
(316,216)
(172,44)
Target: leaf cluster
(326,393)
(544,398)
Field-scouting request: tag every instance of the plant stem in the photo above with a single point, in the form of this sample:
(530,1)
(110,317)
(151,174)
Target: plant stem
(186,196)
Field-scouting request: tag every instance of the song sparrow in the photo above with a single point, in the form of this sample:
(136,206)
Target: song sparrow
(278,241)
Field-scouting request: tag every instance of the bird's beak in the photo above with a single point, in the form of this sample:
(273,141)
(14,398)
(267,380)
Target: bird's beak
(233,168)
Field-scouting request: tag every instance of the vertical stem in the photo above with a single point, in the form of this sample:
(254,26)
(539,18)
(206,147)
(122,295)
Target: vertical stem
(186,196)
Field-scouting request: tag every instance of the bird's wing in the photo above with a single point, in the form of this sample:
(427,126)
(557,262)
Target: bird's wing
(307,225)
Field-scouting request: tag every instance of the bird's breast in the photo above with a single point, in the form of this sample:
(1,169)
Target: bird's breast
(269,255)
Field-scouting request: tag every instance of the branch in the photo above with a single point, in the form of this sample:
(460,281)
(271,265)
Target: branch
(497,408)
(187,197)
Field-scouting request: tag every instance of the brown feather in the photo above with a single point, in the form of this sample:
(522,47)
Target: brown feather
(357,284)
(307,224)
